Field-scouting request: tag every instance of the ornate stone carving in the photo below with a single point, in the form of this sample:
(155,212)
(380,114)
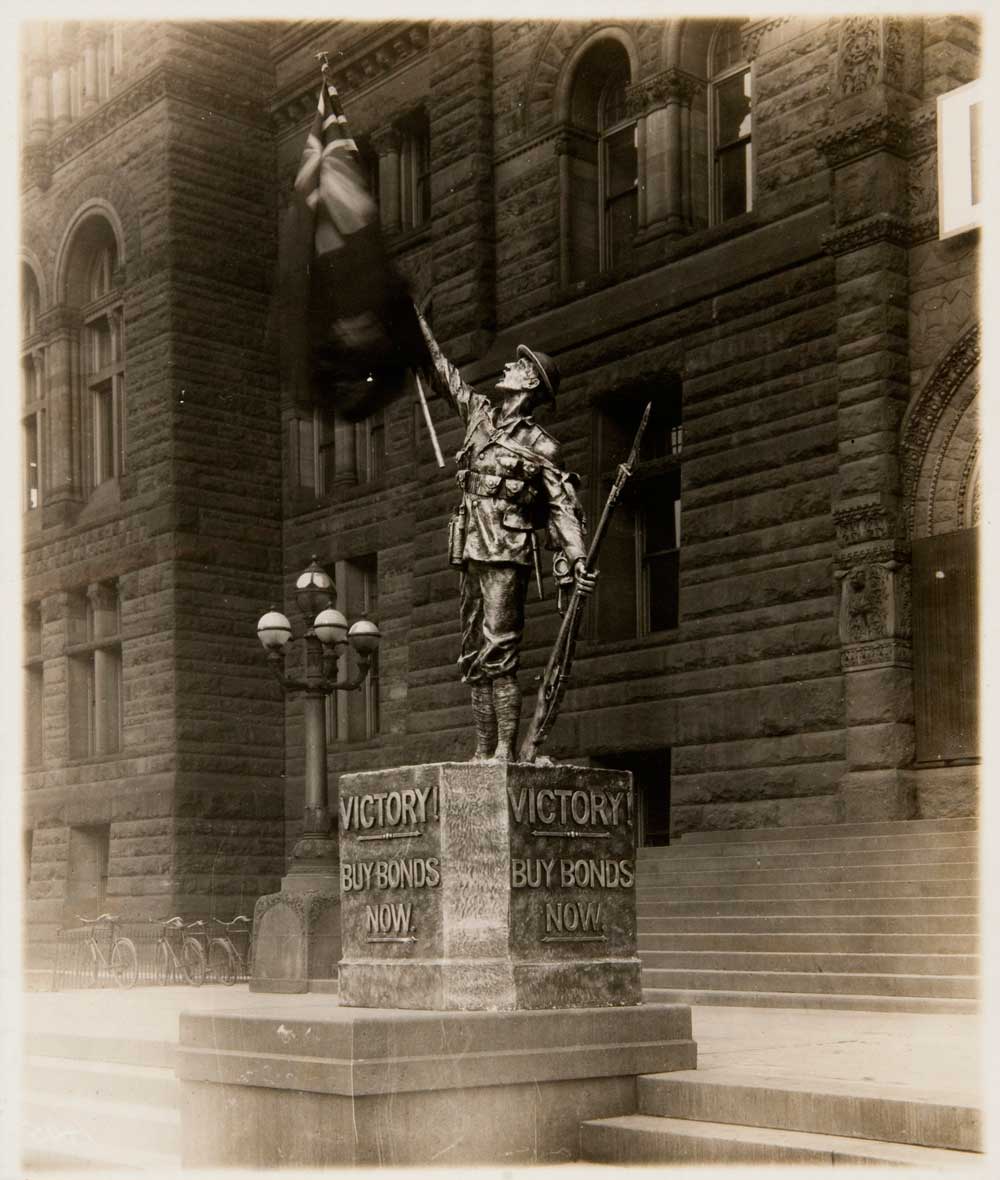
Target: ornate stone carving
(858,59)
(883,227)
(925,411)
(400,43)
(754,31)
(874,601)
(37,169)
(882,653)
(862,137)
(865,518)
(672,85)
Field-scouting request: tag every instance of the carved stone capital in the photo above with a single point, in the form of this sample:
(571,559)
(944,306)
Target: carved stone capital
(37,169)
(671,85)
(883,227)
(386,140)
(102,596)
(61,319)
(866,518)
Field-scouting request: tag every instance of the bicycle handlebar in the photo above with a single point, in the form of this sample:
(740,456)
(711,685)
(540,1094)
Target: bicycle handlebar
(99,918)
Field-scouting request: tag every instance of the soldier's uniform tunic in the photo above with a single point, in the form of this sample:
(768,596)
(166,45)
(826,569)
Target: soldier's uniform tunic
(505,496)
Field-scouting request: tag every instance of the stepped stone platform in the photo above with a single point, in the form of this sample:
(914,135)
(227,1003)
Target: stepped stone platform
(869,916)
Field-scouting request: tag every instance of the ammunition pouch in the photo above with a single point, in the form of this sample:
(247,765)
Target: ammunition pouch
(497,487)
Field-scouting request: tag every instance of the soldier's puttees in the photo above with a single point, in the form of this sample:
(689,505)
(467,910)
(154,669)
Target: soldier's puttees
(512,483)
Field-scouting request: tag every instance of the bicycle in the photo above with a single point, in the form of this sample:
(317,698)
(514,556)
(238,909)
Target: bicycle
(122,963)
(225,961)
(189,965)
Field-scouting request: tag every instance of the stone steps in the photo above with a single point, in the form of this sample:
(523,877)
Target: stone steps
(889,827)
(644,1139)
(881,913)
(785,999)
(783,942)
(100,1102)
(731,1117)
(822,925)
(792,903)
(774,856)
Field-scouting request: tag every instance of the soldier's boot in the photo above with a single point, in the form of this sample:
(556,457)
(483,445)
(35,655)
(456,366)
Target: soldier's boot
(507,703)
(486,721)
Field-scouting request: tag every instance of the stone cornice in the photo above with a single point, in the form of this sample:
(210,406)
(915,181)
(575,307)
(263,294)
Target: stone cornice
(671,85)
(558,134)
(883,227)
(862,137)
(752,35)
(371,63)
(161,82)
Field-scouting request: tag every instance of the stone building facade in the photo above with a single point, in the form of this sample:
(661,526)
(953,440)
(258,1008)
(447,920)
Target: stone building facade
(736,220)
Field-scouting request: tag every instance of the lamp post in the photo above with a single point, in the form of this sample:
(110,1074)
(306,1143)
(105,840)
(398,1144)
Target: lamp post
(327,636)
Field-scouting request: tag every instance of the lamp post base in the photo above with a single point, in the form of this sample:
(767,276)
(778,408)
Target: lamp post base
(297,940)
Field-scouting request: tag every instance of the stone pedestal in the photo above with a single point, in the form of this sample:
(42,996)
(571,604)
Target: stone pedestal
(306,1083)
(296,933)
(487,886)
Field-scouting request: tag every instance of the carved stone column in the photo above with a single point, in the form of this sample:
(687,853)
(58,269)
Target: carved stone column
(345,452)
(61,326)
(866,146)
(386,141)
(89,37)
(36,162)
(663,106)
(64,58)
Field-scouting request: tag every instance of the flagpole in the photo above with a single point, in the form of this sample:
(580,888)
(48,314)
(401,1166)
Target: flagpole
(430,424)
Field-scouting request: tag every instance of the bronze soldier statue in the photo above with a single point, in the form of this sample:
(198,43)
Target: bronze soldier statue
(512,482)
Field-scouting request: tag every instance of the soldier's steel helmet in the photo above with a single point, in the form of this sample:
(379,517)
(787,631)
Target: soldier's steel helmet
(547,368)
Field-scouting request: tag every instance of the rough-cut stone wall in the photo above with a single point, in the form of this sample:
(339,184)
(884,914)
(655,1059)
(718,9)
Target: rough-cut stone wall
(182,157)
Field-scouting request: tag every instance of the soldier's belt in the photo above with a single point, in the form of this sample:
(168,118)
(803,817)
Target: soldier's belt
(496,487)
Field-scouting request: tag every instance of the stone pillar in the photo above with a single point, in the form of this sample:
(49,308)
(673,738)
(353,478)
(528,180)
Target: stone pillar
(866,147)
(462,198)
(386,141)
(89,37)
(345,452)
(103,601)
(663,104)
(62,328)
(65,56)
(39,119)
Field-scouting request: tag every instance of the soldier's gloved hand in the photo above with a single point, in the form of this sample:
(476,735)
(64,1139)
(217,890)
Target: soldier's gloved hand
(585,581)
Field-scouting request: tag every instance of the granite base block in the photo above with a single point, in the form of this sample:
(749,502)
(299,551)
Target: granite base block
(336,1086)
(297,941)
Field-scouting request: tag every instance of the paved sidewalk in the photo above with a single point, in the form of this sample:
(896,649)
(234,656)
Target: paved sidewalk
(932,1054)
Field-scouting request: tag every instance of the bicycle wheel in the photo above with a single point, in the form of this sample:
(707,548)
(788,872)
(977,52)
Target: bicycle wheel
(193,962)
(220,962)
(124,962)
(161,966)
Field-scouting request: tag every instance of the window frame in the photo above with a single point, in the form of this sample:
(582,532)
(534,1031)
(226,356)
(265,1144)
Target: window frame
(341,712)
(82,654)
(717,79)
(105,390)
(605,135)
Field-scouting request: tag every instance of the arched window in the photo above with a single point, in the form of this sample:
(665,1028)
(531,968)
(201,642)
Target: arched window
(730,123)
(32,394)
(91,289)
(603,169)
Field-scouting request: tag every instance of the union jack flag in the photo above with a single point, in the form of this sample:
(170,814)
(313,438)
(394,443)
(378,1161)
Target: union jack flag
(363,333)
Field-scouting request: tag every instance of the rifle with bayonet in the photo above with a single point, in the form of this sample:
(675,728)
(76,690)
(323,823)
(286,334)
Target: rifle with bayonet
(553,686)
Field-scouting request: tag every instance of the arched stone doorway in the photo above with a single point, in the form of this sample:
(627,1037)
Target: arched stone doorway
(940,480)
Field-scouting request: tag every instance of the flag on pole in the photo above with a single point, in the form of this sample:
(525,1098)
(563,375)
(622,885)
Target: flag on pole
(361,326)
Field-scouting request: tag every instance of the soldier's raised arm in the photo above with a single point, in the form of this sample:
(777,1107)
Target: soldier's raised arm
(446,380)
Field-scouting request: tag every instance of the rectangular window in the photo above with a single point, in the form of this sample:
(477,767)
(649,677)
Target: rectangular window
(32,464)
(354,716)
(415,174)
(32,431)
(732,132)
(34,687)
(106,382)
(94,674)
(620,194)
(638,592)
